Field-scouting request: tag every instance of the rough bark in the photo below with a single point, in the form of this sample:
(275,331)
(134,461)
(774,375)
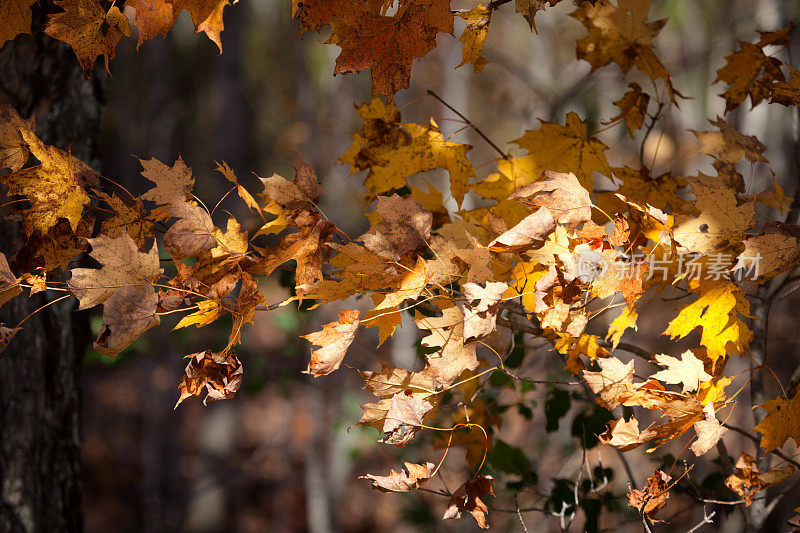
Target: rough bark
(39,418)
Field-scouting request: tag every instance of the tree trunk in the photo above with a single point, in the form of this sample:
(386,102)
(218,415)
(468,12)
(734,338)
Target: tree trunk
(39,420)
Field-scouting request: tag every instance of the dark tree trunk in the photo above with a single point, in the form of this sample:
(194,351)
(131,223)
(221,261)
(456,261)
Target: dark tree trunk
(39,420)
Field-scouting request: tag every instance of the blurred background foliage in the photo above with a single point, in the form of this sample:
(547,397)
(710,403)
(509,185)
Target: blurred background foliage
(280,456)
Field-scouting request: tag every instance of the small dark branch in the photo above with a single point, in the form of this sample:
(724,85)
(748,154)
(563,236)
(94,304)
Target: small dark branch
(628,470)
(757,441)
(470,124)
(648,130)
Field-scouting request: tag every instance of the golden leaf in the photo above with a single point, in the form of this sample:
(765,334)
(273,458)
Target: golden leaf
(89,30)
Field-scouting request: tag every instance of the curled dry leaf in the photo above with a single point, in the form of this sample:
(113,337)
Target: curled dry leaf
(128,313)
(708,430)
(400,481)
(728,145)
(334,339)
(218,374)
(613,378)
(468,497)
(480,319)
(531,231)
(6,334)
(404,418)
(653,497)
(565,197)
(9,284)
(13,149)
(747,481)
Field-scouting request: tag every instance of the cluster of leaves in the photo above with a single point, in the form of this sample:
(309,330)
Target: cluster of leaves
(464,274)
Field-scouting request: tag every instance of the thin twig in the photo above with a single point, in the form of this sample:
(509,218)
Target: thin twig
(470,124)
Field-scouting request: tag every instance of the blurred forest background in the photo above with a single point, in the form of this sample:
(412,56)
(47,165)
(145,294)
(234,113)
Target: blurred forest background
(280,456)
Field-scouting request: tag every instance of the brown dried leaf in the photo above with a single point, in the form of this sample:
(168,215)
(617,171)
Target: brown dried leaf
(468,497)
(220,375)
(401,482)
(89,30)
(334,339)
(128,313)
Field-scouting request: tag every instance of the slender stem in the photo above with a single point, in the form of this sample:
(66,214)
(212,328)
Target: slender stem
(470,124)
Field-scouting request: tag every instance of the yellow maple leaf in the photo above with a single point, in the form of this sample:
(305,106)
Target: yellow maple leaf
(474,36)
(54,188)
(206,15)
(89,30)
(16,16)
(207,312)
(782,421)
(621,34)
(393,151)
(567,149)
(716,312)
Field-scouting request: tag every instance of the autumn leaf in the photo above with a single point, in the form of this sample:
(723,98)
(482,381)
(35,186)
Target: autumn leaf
(400,481)
(13,148)
(207,312)
(562,194)
(653,497)
(781,422)
(749,71)
(687,371)
(388,45)
(474,36)
(404,418)
(121,264)
(452,357)
(613,378)
(776,252)
(206,16)
(469,497)
(480,318)
(532,231)
(633,107)
(193,232)
(567,149)
(333,340)
(6,334)
(173,184)
(529,8)
(721,221)
(9,284)
(218,375)
(153,17)
(57,248)
(393,151)
(621,34)
(786,92)
(16,16)
(89,30)
(747,480)
(729,145)
(127,313)
(624,435)
(55,187)
(709,431)
(715,311)
(129,218)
